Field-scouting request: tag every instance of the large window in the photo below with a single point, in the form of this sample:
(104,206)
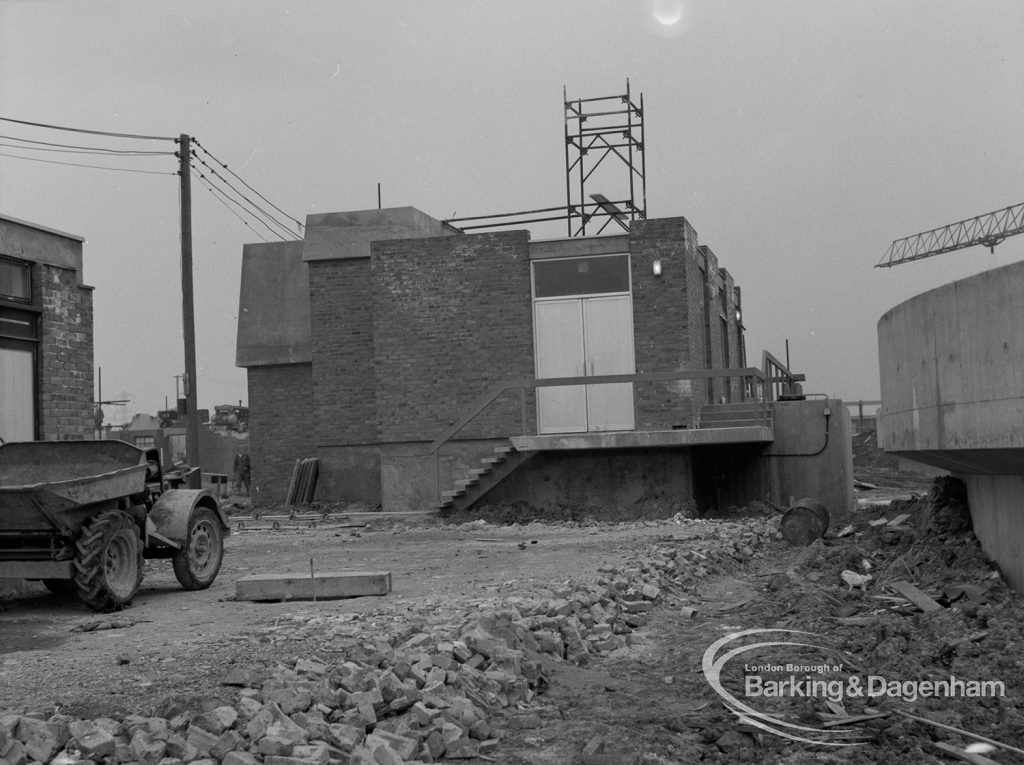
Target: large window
(581,276)
(15,280)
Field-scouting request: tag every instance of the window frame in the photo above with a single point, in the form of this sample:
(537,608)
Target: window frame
(27,268)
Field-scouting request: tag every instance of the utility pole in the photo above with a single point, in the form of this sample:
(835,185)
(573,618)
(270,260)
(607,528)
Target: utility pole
(188,313)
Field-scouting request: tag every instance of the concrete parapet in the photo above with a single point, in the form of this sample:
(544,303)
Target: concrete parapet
(952,367)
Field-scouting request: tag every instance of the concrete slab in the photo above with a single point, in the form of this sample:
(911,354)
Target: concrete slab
(644,439)
(302,587)
(979,461)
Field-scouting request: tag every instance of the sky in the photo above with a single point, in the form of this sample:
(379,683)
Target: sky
(798,137)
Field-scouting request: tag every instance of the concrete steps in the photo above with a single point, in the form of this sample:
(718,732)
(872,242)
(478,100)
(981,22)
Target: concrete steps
(494,468)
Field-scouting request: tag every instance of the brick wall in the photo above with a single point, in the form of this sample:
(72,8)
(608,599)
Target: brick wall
(723,332)
(733,357)
(65,365)
(664,310)
(280,427)
(701,339)
(343,310)
(453,316)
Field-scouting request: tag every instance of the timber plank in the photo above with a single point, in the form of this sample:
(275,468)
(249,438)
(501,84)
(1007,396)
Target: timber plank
(301,587)
(915,596)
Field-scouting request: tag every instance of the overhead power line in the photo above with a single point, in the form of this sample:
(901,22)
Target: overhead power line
(80,164)
(69,148)
(263,213)
(90,132)
(248,204)
(224,199)
(224,165)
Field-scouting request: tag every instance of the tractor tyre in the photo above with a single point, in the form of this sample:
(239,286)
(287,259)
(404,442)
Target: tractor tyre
(108,564)
(197,563)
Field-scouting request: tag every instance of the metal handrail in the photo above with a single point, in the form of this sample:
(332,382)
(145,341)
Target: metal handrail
(487,398)
(776,377)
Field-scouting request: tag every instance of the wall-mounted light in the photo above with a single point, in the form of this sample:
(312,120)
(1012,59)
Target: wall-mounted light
(656,268)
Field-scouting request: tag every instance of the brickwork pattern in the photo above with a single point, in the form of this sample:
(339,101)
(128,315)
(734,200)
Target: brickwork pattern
(719,310)
(65,368)
(733,357)
(454,317)
(664,311)
(343,313)
(702,339)
(280,407)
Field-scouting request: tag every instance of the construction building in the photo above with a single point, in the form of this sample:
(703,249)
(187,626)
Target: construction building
(426,367)
(46,335)
(430,364)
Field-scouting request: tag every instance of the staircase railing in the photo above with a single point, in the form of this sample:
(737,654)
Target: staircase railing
(779,382)
(496,390)
(767,384)
(751,376)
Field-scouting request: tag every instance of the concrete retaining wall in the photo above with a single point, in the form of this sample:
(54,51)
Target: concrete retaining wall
(600,478)
(952,375)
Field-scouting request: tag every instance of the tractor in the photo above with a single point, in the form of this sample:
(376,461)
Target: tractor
(81,516)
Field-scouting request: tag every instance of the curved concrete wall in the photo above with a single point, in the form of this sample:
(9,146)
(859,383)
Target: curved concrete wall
(952,375)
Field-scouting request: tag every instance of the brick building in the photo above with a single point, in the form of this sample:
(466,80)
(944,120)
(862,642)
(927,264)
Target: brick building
(46,335)
(368,339)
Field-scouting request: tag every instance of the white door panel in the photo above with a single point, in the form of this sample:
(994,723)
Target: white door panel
(559,331)
(608,335)
(17,399)
(579,337)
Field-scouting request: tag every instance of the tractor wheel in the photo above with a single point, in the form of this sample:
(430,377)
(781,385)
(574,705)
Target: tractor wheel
(197,563)
(108,566)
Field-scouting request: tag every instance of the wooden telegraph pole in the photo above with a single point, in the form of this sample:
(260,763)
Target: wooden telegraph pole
(188,313)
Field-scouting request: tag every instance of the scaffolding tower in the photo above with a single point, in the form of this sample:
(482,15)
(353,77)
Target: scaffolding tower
(598,129)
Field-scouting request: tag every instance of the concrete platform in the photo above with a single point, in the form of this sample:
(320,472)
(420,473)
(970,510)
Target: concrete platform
(644,439)
(980,461)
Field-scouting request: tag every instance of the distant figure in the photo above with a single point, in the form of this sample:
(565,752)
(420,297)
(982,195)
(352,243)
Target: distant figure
(242,471)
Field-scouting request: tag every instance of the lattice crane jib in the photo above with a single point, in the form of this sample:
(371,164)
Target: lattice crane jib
(988,230)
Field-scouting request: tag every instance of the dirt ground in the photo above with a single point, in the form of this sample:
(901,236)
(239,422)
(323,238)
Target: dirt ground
(650,701)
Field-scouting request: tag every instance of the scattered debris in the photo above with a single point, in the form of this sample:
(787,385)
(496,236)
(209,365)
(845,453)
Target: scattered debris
(972,592)
(450,681)
(97,625)
(965,755)
(852,579)
(805,521)
(962,732)
(915,596)
(302,486)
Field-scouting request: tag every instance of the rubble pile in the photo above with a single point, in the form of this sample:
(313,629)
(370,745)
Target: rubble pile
(958,619)
(442,685)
